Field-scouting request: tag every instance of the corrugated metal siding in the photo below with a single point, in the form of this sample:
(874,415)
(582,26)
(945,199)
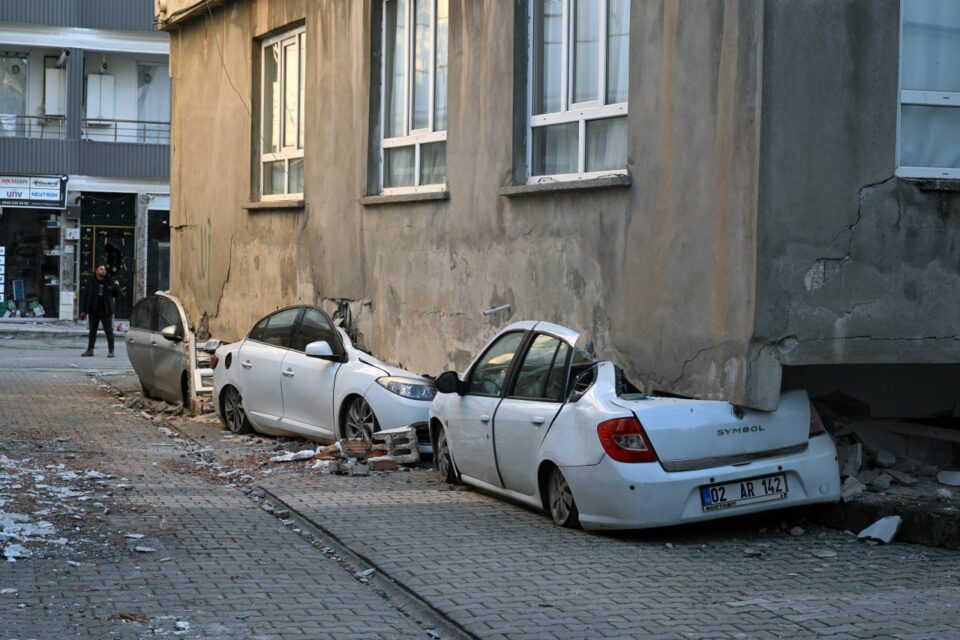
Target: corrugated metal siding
(59,13)
(126,15)
(120,160)
(25,155)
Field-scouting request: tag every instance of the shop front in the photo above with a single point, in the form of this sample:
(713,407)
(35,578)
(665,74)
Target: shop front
(31,245)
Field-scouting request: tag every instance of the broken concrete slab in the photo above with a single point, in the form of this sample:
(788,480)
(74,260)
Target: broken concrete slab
(902,478)
(885,458)
(949,478)
(851,489)
(851,459)
(883,530)
(867,476)
(881,482)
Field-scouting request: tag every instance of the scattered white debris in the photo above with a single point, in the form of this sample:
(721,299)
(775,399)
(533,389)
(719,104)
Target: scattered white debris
(134,536)
(750,552)
(73,563)
(883,530)
(944,493)
(669,545)
(13,551)
(824,553)
(949,478)
(183,625)
(797,531)
(141,549)
(365,574)
(7,591)
(291,456)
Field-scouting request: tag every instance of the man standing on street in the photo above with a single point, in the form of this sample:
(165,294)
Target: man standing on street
(98,304)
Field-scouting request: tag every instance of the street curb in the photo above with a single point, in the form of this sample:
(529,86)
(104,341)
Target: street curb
(390,585)
(922,523)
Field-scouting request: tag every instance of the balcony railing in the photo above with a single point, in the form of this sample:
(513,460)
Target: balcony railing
(131,131)
(39,127)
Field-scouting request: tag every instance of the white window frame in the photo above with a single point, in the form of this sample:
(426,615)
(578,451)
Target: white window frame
(580,112)
(924,98)
(415,137)
(286,154)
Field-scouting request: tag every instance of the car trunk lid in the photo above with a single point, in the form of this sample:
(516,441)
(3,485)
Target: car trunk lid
(697,434)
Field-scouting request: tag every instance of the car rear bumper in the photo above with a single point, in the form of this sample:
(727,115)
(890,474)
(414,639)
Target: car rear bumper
(616,495)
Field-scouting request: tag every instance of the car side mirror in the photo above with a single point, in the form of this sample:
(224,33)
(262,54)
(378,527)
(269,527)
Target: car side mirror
(171,333)
(449,382)
(321,349)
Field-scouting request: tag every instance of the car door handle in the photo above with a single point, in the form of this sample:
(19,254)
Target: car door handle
(246,364)
(288,372)
(484,418)
(538,421)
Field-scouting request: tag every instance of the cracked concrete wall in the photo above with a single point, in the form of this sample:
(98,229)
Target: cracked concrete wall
(855,265)
(659,275)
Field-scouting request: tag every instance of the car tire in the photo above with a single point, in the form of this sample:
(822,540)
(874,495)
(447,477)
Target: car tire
(232,411)
(444,460)
(359,420)
(560,502)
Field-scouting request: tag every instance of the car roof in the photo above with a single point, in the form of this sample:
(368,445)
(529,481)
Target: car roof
(567,335)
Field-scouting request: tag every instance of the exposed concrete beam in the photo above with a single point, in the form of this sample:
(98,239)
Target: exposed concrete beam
(171,14)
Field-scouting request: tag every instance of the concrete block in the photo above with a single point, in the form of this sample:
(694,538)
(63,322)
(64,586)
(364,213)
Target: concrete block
(851,459)
(851,489)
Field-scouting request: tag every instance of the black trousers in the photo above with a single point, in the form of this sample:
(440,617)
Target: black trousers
(107,321)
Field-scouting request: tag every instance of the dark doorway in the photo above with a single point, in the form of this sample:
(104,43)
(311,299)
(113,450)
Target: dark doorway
(158,251)
(107,234)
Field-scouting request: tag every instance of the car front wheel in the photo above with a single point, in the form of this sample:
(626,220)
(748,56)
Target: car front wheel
(360,423)
(563,508)
(444,460)
(233,412)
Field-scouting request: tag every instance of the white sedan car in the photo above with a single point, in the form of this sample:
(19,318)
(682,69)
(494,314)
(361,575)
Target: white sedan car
(535,420)
(296,374)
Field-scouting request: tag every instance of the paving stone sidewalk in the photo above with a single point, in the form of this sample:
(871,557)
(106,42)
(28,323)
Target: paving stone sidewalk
(221,567)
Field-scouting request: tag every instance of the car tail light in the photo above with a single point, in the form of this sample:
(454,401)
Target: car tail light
(214,361)
(816,424)
(624,440)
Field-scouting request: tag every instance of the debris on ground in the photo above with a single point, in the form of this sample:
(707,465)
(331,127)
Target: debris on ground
(885,459)
(851,489)
(400,444)
(291,456)
(851,459)
(949,478)
(883,530)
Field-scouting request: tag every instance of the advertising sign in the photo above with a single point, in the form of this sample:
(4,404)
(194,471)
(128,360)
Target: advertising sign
(46,192)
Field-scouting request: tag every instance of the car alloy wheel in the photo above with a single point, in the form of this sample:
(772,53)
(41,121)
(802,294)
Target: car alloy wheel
(563,508)
(361,422)
(444,461)
(233,412)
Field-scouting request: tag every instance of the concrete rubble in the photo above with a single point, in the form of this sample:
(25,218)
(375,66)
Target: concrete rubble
(883,530)
(949,478)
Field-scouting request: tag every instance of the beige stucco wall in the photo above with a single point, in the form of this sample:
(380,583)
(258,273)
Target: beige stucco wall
(660,275)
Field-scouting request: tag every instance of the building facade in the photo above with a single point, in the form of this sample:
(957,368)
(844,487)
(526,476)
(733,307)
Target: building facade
(726,196)
(84,152)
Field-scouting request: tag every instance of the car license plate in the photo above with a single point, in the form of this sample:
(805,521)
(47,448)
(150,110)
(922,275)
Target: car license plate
(742,492)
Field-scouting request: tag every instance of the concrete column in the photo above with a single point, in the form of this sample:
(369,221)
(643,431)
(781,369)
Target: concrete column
(141,228)
(74,94)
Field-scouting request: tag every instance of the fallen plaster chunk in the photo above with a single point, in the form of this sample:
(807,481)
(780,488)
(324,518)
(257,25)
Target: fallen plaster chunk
(290,456)
(183,625)
(141,549)
(823,553)
(944,493)
(9,591)
(851,459)
(134,536)
(14,551)
(886,459)
(902,478)
(851,489)
(949,478)
(883,530)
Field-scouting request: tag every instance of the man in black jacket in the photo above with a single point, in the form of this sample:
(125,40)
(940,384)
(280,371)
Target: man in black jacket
(98,304)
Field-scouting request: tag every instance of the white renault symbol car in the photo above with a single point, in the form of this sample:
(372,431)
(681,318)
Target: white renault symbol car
(535,420)
(296,374)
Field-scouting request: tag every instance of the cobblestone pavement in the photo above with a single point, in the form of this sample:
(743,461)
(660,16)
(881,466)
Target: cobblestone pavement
(494,569)
(220,567)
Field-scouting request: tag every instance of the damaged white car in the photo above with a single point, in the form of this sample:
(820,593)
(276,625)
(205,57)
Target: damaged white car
(296,374)
(163,350)
(535,420)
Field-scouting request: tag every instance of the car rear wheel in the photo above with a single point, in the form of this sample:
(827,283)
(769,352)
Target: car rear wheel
(233,413)
(360,420)
(563,508)
(444,460)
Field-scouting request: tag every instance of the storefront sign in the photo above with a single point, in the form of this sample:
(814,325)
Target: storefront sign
(46,192)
